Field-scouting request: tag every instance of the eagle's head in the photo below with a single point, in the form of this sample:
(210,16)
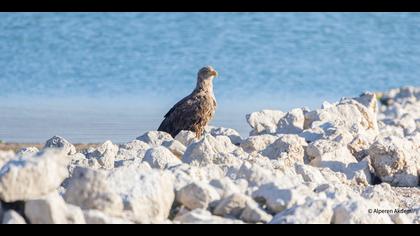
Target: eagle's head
(206,73)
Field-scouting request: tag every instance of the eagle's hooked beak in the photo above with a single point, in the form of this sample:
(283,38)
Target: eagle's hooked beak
(214,73)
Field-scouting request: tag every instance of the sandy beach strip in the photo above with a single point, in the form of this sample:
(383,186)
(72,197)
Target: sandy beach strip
(17,146)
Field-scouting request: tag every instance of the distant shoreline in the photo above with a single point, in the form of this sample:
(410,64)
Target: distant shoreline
(15,147)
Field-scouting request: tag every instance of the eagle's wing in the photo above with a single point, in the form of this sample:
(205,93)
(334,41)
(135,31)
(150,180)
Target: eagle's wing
(191,113)
(177,105)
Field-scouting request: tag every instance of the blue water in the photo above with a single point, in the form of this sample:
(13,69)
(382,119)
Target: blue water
(97,76)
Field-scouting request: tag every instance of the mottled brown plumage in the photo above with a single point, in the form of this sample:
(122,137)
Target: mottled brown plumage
(194,111)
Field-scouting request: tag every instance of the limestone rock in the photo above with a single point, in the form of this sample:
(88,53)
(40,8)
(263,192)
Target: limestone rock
(27,152)
(60,143)
(161,158)
(6,156)
(311,212)
(186,137)
(254,214)
(224,186)
(232,134)
(292,122)
(356,212)
(241,206)
(342,122)
(185,174)
(330,154)
(232,206)
(278,199)
(359,146)
(197,195)
(98,217)
(369,100)
(258,143)
(212,150)
(134,150)
(32,177)
(104,154)
(255,175)
(177,148)
(89,189)
(52,209)
(148,195)
(201,216)
(264,122)
(155,138)
(287,146)
(393,160)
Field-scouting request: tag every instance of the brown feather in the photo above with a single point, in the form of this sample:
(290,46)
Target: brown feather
(193,112)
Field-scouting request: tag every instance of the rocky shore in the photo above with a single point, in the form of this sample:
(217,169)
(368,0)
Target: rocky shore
(353,161)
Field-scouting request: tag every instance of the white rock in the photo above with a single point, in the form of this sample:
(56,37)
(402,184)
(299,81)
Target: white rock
(311,212)
(312,134)
(212,150)
(401,94)
(186,137)
(12,217)
(255,175)
(233,135)
(407,122)
(264,122)
(346,119)
(177,148)
(357,212)
(360,173)
(161,158)
(359,146)
(6,156)
(258,143)
(394,161)
(28,151)
(232,206)
(201,216)
(134,150)
(310,174)
(390,130)
(224,186)
(326,104)
(60,143)
(197,195)
(32,177)
(254,214)
(136,163)
(104,154)
(330,154)
(278,199)
(241,206)
(288,146)
(369,100)
(292,122)
(155,138)
(98,217)
(80,159)
(89,189)
(52,209)
(149,195)
(186,174)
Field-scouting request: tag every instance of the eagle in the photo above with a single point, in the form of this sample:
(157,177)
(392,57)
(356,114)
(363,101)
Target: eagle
(194,111)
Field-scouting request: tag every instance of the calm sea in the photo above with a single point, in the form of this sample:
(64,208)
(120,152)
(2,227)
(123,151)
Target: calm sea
(95,76)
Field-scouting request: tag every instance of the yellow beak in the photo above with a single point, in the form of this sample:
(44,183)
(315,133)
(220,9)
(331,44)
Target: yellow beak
(214,73)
